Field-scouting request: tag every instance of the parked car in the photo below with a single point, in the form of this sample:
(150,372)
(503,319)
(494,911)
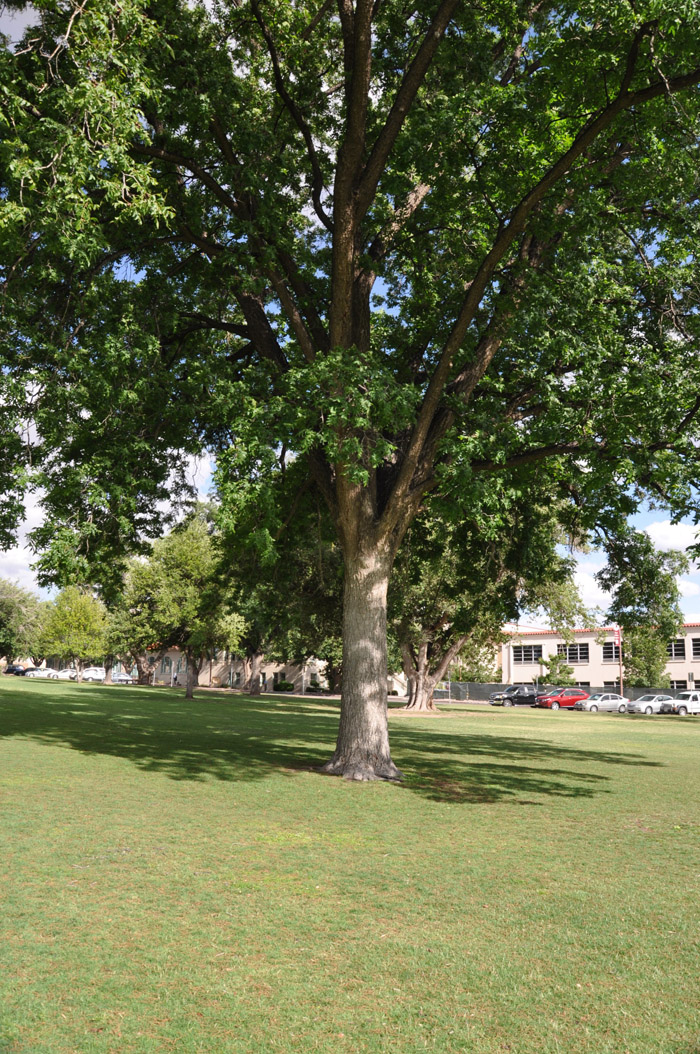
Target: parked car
(69,674)
(545,692)
(28,671)
(15,668)
(603,701)
(686,703)
(566,698)
(514,695)
(122,678)
(94,673)
(46,673)
(648,704)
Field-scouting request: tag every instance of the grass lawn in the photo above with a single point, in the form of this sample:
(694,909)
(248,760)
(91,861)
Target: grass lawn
(176,877)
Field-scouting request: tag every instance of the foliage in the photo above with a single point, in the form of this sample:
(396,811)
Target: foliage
(20,621)
(645,656)
(475,663)
(417,252)
(174,598)
(558,671)
(644,587)
(75,627)
(457,582)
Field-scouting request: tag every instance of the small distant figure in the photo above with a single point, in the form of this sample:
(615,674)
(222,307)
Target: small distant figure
(174,680)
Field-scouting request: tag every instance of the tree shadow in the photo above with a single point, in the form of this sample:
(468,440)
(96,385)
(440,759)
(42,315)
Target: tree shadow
(242,739)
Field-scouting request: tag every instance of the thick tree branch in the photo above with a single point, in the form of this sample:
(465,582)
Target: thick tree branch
(405,96)
(515,226)
(317,182)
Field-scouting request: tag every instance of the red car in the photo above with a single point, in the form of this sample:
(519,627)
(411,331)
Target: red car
(566,697)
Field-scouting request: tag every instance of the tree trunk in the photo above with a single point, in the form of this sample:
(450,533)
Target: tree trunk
(109,663)
(144,669)
(362,750)
(421,697)
(193,669)
(409,672)
(252,684)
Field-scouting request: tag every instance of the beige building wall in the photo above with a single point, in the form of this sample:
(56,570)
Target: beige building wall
(223,672)
(595,664)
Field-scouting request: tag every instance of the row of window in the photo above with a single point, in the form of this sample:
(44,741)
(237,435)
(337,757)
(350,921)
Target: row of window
(580,653)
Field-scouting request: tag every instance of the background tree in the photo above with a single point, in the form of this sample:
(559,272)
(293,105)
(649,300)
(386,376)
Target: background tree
(20,621)
(75,628)
(556,671)
(174,599)
(458,582)
(476,663)
(414,251)
(644,658)
(643,582)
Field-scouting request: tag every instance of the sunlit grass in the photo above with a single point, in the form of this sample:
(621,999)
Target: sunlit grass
(177,877)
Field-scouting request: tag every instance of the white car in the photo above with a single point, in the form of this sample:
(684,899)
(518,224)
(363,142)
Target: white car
(68,674)
(94,673)
(685,703)
(122,678)
(648,704)
(603,701)
(46,673)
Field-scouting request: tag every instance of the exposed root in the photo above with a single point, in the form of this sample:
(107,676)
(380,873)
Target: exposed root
(362,769)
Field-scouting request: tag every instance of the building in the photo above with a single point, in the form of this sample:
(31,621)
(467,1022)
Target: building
(594,656)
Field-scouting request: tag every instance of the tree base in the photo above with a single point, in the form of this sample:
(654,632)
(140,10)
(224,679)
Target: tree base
(363,769)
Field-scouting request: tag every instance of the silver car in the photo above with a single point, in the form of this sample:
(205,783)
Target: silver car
(46,673)
(648,704)
(603,701)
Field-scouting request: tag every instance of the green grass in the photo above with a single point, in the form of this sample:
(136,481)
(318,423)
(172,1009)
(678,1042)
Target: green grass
(176,877)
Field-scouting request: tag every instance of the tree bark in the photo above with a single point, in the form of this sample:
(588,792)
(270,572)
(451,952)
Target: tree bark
(252,684)
(144,669)
(362,750)
(423,684)
(193,669)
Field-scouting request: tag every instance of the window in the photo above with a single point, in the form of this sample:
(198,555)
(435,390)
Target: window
(696,647)
(611,651)
(611,684)
(675,649)
(237,678)
(165,664)
(583,684)
(576,653)
(678,686)
(527,653)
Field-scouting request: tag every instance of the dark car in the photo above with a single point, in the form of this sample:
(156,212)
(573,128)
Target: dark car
(565,698)
(14,668)
(515,695)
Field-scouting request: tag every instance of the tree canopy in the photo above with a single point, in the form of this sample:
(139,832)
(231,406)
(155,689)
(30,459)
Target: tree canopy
(420,246)
(21,614)
(75,628)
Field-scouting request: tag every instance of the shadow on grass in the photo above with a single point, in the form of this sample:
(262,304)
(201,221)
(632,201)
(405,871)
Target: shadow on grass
(235,738)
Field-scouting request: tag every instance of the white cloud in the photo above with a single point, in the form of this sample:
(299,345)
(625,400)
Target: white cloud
(14,563)
(666,535)
(591,593)
(688,588)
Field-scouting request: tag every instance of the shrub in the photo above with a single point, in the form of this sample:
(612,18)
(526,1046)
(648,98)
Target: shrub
(284,686)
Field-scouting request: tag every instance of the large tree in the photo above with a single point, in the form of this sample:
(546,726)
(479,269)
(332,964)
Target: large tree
(411,243)
(174,599)
(21,615)
(643,583)
(74,628)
